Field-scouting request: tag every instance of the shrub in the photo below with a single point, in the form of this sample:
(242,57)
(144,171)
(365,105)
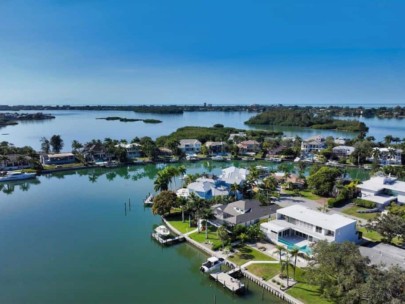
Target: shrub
(332,202)
(364,203)
(216,247)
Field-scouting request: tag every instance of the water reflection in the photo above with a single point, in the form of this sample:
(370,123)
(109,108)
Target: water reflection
(25,185)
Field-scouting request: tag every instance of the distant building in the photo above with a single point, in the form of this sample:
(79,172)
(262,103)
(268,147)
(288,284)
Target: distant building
(388,156)
(133,150)
(15,161)
(313,144)
(96,152)
(243,212)
(342,151)
(57,158)
(300,226)
(233,136)
(383,190)
(190,146)
(215,147)
(249,146)
(340,141)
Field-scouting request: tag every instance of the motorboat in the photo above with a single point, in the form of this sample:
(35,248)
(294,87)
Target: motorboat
(212,264)
(218,158)
(162,230)
(15,176)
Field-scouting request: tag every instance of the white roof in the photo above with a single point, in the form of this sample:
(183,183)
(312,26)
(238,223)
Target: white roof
(189,142)
(234,175)
(348,148)
(200,186)
(213,259)
(317,218)
(272,226)
(378,183)
(183,192)
(379,199)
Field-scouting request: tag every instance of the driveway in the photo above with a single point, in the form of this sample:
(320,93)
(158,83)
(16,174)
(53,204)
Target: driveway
(285,201)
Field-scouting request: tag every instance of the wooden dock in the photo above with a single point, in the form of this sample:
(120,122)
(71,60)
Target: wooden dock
(168,241)
(228,281)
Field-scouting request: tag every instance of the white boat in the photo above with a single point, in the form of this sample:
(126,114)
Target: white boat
(217,158)
(162,231)
(149,200)
(15,176)
(275,159)
(212,264)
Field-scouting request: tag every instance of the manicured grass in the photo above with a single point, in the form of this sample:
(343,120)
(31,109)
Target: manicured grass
(352,210)
(304,193)
(246,254)
(212,236)
(307,293)
(177,223)
(265,271)
(52,167)
(375,236)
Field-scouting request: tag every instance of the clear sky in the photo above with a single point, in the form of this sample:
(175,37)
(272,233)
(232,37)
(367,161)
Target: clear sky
(191,51)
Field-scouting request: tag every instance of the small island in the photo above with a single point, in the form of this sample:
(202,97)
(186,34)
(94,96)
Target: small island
(124,119)
(10,119)
(305,118)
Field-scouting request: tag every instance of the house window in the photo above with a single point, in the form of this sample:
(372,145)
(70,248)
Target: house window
(318,229)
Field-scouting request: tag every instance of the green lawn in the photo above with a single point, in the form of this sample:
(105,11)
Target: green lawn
(202,236)
(177,223)
(375,236)
(265,271)
(246,254)
(352,210)
(304,193)
(307,293)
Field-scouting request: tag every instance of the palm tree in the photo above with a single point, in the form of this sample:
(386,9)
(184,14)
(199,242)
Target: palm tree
(4,159)
(388,139)
(162,181)
(182,202)
(234,189)
(294,253)
(280,250)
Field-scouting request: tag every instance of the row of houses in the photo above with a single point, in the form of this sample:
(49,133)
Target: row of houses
(193,146)
(386,156)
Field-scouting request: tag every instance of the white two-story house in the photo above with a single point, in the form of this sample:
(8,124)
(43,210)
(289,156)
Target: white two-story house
(190,146)
(299,226)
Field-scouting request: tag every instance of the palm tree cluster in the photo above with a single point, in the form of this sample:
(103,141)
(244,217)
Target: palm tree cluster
(167,176)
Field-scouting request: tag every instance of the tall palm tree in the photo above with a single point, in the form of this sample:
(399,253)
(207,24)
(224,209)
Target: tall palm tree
(294,253)
(280,250)
(162,181)
(182,203)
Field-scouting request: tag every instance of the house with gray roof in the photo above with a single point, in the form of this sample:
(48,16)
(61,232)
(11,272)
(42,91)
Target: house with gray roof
(242,212)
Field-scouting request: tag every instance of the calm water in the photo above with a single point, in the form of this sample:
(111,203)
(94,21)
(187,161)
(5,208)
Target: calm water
(65,239)
(83,126)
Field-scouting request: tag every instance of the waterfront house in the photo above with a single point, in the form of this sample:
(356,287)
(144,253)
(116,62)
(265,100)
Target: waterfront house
(387,156)
(96,152)
(342,151)
(383,190)
(339,141)
(313,144)
(205,188)
(215,147)
(299,226)
(15,161)
(132,150)
(235,136)
(233,175)
(242,212)
(248,146)
(57,158)
(190,146)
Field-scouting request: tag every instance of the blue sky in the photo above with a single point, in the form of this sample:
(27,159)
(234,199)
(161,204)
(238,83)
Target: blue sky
(221,52)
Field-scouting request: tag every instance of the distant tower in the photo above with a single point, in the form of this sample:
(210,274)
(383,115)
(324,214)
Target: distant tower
(205,104)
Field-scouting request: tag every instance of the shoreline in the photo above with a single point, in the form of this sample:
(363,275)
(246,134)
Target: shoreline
(268,286)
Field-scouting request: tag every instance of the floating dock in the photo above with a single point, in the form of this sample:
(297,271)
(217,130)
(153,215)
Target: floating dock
(228,281)
(168,241)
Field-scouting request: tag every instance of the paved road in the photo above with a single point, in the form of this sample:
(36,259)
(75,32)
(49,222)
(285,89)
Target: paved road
(385,254)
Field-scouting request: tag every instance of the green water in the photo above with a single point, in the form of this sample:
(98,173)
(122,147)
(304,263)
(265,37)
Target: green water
(65,238)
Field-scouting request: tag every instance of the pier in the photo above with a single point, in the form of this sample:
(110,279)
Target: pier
(168,241)
(228,281)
